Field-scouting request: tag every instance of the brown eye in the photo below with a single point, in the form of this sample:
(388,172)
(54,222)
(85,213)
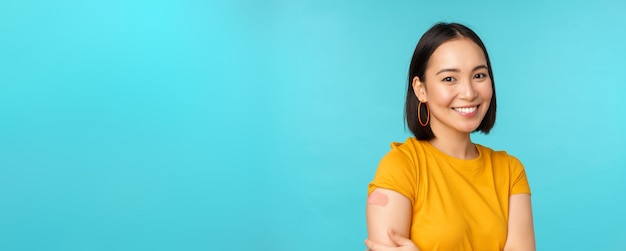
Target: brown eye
(480,75)
(448,79)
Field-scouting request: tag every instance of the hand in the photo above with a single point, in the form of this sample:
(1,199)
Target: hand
(401,242)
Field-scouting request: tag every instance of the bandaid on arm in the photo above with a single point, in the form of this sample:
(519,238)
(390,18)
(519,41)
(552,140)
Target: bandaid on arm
(377,198)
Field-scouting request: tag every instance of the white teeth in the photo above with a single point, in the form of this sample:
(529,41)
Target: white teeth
(465,109)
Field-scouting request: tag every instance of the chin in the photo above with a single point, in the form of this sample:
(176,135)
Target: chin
(469,129)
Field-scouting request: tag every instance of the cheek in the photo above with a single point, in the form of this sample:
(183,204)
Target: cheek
(440,96)
(486,91)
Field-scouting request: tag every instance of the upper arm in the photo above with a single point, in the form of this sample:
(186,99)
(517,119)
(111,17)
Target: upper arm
(394,214)
(521,233)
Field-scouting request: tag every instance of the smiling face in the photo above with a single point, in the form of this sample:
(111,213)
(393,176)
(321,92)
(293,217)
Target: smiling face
(456,86)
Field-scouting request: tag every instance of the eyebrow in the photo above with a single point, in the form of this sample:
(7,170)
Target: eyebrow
(482,66)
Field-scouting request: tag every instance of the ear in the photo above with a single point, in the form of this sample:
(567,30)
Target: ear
(420,89)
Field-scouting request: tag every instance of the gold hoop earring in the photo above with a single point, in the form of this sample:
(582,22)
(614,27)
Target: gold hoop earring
(419,113)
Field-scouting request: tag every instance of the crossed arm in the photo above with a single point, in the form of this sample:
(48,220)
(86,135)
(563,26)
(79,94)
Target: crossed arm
(389,218)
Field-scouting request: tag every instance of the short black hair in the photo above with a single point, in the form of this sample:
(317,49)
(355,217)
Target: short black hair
(430,41)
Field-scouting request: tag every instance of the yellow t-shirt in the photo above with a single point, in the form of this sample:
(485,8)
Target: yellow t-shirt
(457,204)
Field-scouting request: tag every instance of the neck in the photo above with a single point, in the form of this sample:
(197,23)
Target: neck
(455,144)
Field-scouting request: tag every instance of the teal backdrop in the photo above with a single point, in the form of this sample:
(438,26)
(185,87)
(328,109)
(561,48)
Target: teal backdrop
(257,125)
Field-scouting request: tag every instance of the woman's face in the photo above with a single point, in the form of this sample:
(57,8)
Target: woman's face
(457,87)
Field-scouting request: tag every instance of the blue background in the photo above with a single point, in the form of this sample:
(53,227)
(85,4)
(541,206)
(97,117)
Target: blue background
(257,125)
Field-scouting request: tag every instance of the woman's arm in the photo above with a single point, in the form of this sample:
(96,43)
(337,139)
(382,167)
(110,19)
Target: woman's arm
(387,209)
(521,236)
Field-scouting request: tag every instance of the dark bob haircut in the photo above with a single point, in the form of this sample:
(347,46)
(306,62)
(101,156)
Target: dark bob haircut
(430,41)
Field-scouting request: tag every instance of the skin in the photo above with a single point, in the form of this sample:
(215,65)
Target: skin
(456,77)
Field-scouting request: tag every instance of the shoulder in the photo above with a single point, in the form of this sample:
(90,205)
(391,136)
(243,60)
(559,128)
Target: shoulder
(404,153)
(499,156)
(400,153)
(407,148)
(397,170)
(503,162)
(401,158)
(509,169)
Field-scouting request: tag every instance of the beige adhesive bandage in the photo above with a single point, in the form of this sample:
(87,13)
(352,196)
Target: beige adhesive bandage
(377,198)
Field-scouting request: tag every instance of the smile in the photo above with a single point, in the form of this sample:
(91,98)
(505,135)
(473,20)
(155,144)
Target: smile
(466,110)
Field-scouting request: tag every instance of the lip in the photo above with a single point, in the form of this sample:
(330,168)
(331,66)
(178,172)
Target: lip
(467,115)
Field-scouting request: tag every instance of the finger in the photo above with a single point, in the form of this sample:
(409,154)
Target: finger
(375,246)
(399,239)
(370,244)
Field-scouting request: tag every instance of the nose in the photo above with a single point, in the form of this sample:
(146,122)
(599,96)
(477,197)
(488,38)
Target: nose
(468,91)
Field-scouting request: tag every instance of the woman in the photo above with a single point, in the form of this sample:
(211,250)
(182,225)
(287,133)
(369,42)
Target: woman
(440,191)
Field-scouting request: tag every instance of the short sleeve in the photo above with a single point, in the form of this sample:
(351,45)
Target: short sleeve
(518,182)
(396,172)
